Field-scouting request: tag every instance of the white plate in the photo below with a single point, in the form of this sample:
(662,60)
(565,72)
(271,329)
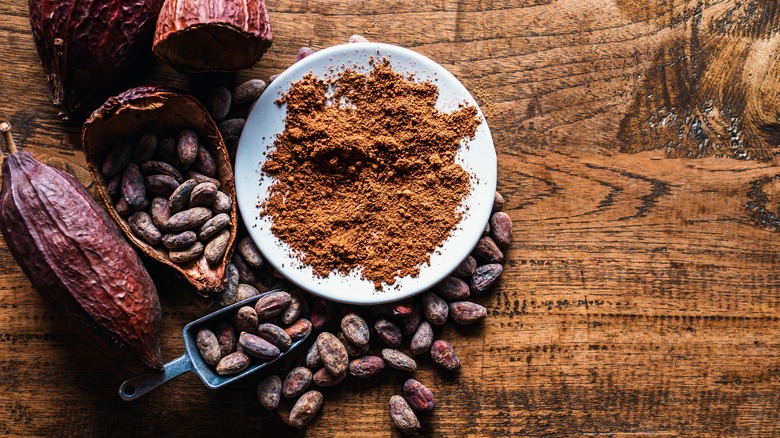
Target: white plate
(266,121)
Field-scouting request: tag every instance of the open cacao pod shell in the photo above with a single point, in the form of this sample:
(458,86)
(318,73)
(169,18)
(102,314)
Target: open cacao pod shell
(141,110)
(212,35)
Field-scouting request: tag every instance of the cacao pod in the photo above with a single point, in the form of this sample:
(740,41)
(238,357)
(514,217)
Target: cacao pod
(150,109)
(76,258)
(84,45)
(212,35)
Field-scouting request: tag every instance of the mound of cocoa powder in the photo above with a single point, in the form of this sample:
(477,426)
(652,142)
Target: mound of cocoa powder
(367,178)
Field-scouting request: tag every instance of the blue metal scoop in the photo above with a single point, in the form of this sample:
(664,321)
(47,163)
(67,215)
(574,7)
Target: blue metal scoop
(191,360)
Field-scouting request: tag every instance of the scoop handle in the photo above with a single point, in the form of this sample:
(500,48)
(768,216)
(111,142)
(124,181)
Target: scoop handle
(140,385)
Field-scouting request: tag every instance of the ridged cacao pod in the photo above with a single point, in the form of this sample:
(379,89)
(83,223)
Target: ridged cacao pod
(150,109)
(212,35)
(77,260)
(84,45)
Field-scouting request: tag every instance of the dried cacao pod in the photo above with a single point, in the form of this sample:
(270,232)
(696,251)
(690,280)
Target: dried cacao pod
(212,35)
(84,45)
(150,109)
(75,256)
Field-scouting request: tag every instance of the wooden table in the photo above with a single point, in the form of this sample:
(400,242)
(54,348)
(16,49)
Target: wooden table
(637,150)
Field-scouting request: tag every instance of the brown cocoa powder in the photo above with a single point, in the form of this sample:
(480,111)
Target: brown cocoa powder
(367,178)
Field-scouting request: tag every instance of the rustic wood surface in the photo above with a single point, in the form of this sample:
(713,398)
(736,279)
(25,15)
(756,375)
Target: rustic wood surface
(637,150)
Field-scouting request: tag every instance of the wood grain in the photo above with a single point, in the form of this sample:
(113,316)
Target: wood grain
(637,149)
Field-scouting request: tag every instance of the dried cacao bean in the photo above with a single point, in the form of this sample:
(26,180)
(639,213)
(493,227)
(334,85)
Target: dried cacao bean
(161,184)
(205,163)
(269,392)
(185,255)
(355,329)
(117,160)
(233,363)
(298,380)
(323,378)
(203,195)
(231,129)
(161,212)
(245,273)
(250,253)
(187,219)
(124,209)
(222,203)
(258,347)
(216,247)
(411,321)
(213,226)
(435,308)
(452,288)
(159,167)
(322,313)
(388,332)
(226,338)
(352,349)
(229,286)
(115,186)
(272,304)
(201,178)
(399,360)
(485,276)
(145,148)
(302,53)
(444,355)
(133,189)
(246,291)
(498,202)
(333,354)
(142,226)
(299,328)
(293,311)
(305,409)
(403,417)
(366,366)
(466,312)
(275,335)
(422,339)
(403,307)
(187,147)
(501,228)
(249,91)
(218,103)
(465,268)
(245,320)
(208,346)
(357,39)
(181,240)
(418,396)
(487,250)
(313,359)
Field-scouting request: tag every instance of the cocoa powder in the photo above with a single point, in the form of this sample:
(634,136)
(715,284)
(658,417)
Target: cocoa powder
(367,178)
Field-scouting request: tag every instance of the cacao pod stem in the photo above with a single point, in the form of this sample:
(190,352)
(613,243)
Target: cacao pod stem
(5,128)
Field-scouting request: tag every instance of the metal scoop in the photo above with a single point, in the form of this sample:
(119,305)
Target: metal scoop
(191,360)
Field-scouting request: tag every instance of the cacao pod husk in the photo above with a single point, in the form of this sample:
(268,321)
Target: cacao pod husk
(212,35)
(165,112)
(84,45)
(76,258)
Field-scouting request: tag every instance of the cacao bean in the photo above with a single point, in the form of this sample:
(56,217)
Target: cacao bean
(181,240)
(422,339)
(501,228)
(245,273)
(465,268)
(444,355)
(403,417)
(302,53)
(269,392)
(249,91)
(187,219)
(245,320)
(133,189)
(293,311)
(298,380)
(184,255)
(124,209)
(203,195)
(250,253)
(498,202)
(219,102)
(411,321)
(388,332)
(229,286)
(357,39)
(486,231)
(466,312)
(161,212)
(272,304)
(435,308)
(117,160)
(487,250)
(213,226)
(403,307)
(299,328)
(352,349)
(141,225)
(453,288)
(161,184)
(418,396)
(305,409)
(322,313)
(187,147)
(201,178)
(226,337)
(145,148)
(246,291)
(333,354)
(205,163)
(216,247)
(399,360)
(366,366)
(159,167)
(231,129)
(208,346)
(324,379)
(222,203)
(355,329)
(275,335)
(485,276)
(258,347)
(166,151)
(273,77)
(233,363)
(115,186)
(313,359)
